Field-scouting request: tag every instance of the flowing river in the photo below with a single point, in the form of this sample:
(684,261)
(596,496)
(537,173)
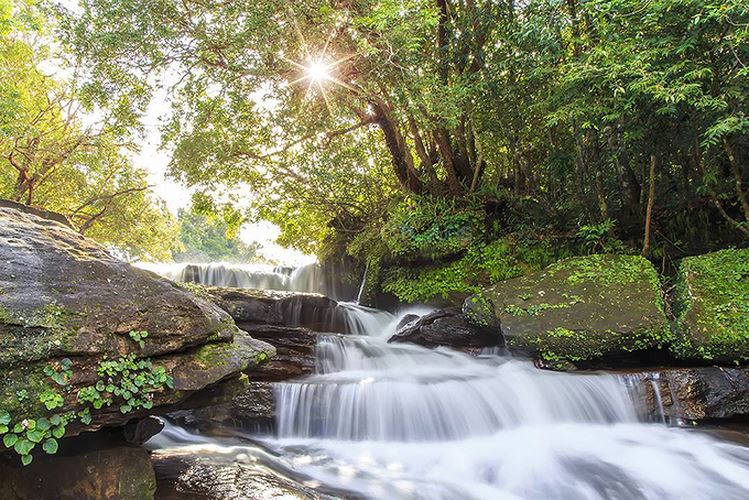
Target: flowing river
(391,421)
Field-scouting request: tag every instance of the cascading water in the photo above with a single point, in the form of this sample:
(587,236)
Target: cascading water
(400,421)
(388,421)
(307,278)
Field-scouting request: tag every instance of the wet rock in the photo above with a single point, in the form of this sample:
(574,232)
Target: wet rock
(139,431)
(225,476)
(267,307)
(295,352)
(584,309)
(67,306)
(711,303)
(697,394)
(448,328)
(251,408)
(408,318)
(83,470)
(478,310)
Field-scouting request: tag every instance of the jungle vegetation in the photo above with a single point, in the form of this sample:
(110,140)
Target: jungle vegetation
(378,127)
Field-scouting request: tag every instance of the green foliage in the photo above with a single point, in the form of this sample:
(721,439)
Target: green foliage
(126,379)
(207,236)
(51,158)
(482,265)
(431,228)
(598,238)
(137,336)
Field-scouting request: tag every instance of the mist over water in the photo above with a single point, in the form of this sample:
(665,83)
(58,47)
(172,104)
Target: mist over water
(381,420)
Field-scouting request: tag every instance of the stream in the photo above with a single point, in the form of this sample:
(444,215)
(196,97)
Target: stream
(386,421)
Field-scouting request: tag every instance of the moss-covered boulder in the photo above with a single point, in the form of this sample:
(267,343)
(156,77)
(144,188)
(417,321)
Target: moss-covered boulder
(87,340)
(711,304)
(583,309)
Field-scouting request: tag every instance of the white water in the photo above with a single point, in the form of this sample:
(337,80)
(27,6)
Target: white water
(307,278)
(392,421)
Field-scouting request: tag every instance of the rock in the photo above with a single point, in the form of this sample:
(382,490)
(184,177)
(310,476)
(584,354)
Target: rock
(138,432)
(243,474)
(88,470)
(478,310)
(295,352)
(695,394)
(584,309)
(268,307)
(408,318)
(711,304)
(72,323)
(252,408)
(447,328)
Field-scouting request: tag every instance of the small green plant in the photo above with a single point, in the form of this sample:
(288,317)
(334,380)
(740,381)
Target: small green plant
(25,435)
(599,238)
(60,372)
(138,336)
(127,379)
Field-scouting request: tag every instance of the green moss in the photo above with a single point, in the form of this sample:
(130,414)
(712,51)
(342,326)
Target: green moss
(478,311)
(5,315)
(483,265)
(215,354)
(534,309)
(563,344)
(711,303)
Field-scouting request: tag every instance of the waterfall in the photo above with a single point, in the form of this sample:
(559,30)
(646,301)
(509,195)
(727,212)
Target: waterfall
(399,421)
(308,278)
(402,421)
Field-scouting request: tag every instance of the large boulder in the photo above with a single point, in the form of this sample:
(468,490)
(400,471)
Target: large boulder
(711,303)
(87,340)
(448,328)
(584,309)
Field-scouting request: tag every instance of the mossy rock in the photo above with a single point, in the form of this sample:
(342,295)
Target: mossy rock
(711,303)
(584,309)
(67,307)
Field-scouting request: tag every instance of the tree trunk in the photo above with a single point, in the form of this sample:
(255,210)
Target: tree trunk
(649,211)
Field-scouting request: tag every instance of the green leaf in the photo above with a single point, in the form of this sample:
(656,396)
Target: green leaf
(26,459)
(9,440)
(101,386)
(55,420)
(43,424)
(125,408)
(58,431)
(85,419)
(50,446)
(35,435)
(23,446)
(4,418)
(3,429)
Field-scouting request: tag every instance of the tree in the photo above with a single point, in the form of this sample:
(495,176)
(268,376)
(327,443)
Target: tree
(208,238)
(49,156)
(563,103)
